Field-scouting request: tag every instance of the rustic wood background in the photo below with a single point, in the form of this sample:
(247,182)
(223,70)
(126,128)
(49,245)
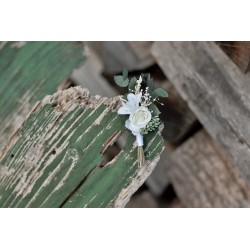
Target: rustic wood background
(206,161)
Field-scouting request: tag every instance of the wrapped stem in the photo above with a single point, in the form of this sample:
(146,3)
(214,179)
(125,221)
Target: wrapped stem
(140,154)
(141,157)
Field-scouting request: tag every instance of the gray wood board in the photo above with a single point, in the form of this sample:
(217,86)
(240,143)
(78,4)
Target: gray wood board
(203,177)
(217,92)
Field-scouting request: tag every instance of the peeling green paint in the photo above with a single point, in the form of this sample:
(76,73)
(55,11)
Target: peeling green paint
(55,159)
(28,74)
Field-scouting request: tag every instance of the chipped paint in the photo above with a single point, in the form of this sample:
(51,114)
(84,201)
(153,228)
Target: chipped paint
(57,155)
(18,45)
(32,70)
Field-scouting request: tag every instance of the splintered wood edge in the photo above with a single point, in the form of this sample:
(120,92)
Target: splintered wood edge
(66,100)
(143,173)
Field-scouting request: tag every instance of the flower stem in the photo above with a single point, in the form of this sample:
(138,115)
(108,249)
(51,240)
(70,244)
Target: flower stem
(141,158)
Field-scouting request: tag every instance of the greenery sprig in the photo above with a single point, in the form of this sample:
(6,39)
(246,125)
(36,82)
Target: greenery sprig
(139,105)
(147,82)
(151,126)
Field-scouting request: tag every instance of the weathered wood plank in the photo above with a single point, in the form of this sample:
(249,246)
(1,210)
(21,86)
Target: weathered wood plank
(28,73)
(55,159)
(116,55)
(216,91)
(203,177)
(90,73)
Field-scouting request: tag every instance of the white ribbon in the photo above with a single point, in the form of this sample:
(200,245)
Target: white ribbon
(139,140)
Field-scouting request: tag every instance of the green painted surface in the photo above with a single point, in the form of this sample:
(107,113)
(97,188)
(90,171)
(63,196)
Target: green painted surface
(29,73)
(54,159)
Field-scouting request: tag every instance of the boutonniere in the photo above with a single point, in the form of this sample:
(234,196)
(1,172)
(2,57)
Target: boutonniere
(139,105)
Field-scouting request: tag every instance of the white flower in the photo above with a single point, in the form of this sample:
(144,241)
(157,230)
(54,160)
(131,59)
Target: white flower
(139,81)
(138,120)
(138,86)
(130,106)
(139,116)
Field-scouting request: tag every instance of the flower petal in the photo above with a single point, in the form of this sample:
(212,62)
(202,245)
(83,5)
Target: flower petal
(131,97)
(134,100)
(123,110)
(127,124)
(133,129)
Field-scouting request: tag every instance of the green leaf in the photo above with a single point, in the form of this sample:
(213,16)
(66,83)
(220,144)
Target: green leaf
(155,110)
(125,96)
(120,81)
(132,83)
(125,74)
(151,126)
(159,92)
(150,80)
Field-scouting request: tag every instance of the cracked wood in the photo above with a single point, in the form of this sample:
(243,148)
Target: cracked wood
(216,91)
(204,177)
(54,159)
(28,73)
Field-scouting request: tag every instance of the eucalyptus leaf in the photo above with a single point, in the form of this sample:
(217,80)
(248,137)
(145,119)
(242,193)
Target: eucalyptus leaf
(125,74)
(155,110)
(159,92)
(125,96)
(132,83)
(150,82)
(120,81)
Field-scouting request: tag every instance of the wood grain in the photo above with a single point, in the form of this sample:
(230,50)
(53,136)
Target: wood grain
(216,91)
(28,72)
(204,177)
(55,158)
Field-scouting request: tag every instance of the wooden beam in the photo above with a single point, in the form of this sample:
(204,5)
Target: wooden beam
(203,176)
(28,72)
(90,76)
(119,54)
(216,91)
(56,158)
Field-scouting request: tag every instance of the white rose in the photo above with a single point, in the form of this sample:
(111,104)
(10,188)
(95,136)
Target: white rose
(140,118)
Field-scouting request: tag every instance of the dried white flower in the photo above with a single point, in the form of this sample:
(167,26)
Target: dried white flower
(138,86)
(130,105)
(139,116)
